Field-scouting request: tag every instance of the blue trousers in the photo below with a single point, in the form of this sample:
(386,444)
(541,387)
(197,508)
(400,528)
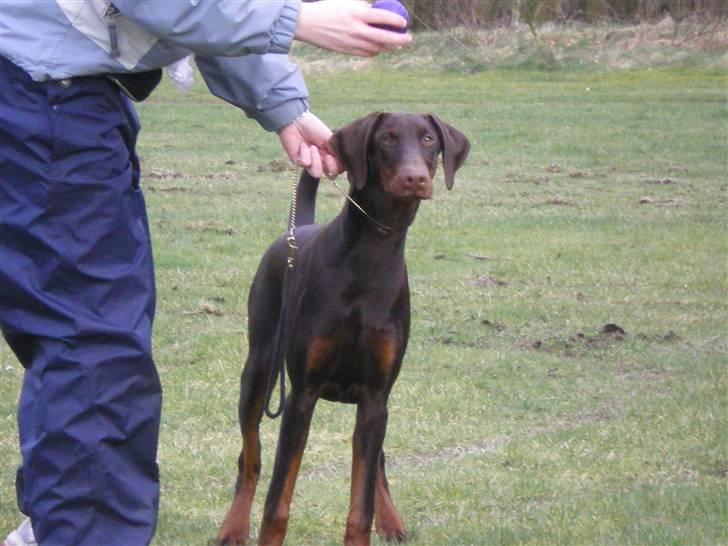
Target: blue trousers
(76,306)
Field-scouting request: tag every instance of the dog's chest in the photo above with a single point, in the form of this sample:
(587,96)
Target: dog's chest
(349,361)
(353,339)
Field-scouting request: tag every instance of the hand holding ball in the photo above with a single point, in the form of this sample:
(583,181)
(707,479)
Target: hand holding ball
(395,7)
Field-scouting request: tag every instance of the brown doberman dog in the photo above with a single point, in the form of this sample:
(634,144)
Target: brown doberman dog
(347,320)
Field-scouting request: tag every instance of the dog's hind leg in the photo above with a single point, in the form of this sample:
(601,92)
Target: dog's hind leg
(387,521)
(263,309)
(235,528)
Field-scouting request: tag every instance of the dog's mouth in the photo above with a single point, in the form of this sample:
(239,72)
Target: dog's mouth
(410,187)
(424,193)
(407,195)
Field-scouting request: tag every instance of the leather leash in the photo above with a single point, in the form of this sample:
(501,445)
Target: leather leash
(278,360)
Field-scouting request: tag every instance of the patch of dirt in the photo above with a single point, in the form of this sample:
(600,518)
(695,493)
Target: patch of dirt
(206,309)
(171,189)
(487,281)
(494,325)
(166,175)
(669,337)
(222,175)
(577,344)
(478,343)
(210,227)
(580,343)
(586,174)
(553,168)
(556,201)
(277,166)
(480,257)
(524,179)
(162,174)
(659,181)
(669,202)
(613,329)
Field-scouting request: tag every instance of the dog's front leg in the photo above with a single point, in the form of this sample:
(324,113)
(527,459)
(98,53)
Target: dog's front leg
(371,425)
(289,453)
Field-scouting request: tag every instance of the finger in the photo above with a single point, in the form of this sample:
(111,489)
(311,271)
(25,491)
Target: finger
(314,168)
(289,141)
(374,40)
(304,155)
(331,165)
(376,16)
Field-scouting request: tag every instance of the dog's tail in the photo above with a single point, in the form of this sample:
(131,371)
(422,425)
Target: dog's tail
(306,199)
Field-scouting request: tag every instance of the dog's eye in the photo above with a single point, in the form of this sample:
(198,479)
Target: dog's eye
(428,140)
(388,140)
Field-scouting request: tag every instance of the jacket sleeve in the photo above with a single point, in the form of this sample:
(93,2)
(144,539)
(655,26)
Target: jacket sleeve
(268,88)
(218,27)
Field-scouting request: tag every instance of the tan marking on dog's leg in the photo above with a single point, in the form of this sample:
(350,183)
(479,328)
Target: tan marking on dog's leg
(357,533)
(387,520)
(289,454)
(236,526)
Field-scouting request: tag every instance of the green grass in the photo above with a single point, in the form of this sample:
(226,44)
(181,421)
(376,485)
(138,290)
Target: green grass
(590,197)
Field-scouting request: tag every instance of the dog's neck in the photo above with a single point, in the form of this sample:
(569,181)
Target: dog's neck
(387,215)
(372,256)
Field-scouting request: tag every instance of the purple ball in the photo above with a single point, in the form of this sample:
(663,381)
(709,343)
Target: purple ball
(393,6)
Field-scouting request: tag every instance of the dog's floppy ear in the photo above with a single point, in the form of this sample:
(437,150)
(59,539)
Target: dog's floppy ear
(455,148)
(350,144)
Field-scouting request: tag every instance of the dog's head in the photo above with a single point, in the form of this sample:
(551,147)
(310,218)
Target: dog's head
(400,150)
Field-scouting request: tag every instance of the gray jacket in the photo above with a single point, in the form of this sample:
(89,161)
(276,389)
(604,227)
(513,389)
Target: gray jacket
(240,46)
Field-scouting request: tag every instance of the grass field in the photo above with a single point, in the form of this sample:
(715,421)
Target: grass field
(591,197)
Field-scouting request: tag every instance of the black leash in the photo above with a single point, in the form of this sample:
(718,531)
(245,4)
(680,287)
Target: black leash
(278,359)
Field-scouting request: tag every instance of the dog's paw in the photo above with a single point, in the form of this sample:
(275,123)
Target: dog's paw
(231,537)
(392,531)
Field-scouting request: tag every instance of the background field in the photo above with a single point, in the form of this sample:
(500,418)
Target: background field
(595,195)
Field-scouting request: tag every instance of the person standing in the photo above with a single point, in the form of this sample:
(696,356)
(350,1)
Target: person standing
(77,294)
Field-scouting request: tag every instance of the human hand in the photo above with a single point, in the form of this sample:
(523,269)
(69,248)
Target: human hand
(344,26)
(306,141)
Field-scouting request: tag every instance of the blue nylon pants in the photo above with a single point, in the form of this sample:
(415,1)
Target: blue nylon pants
(76,306)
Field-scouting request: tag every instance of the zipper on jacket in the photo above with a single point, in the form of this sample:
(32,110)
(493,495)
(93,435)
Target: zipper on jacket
(111,13)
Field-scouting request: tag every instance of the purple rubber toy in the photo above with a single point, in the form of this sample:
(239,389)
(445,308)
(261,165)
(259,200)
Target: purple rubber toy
(393,6)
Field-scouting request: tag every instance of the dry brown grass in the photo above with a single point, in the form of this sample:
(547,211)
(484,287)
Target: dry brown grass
(610,46)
